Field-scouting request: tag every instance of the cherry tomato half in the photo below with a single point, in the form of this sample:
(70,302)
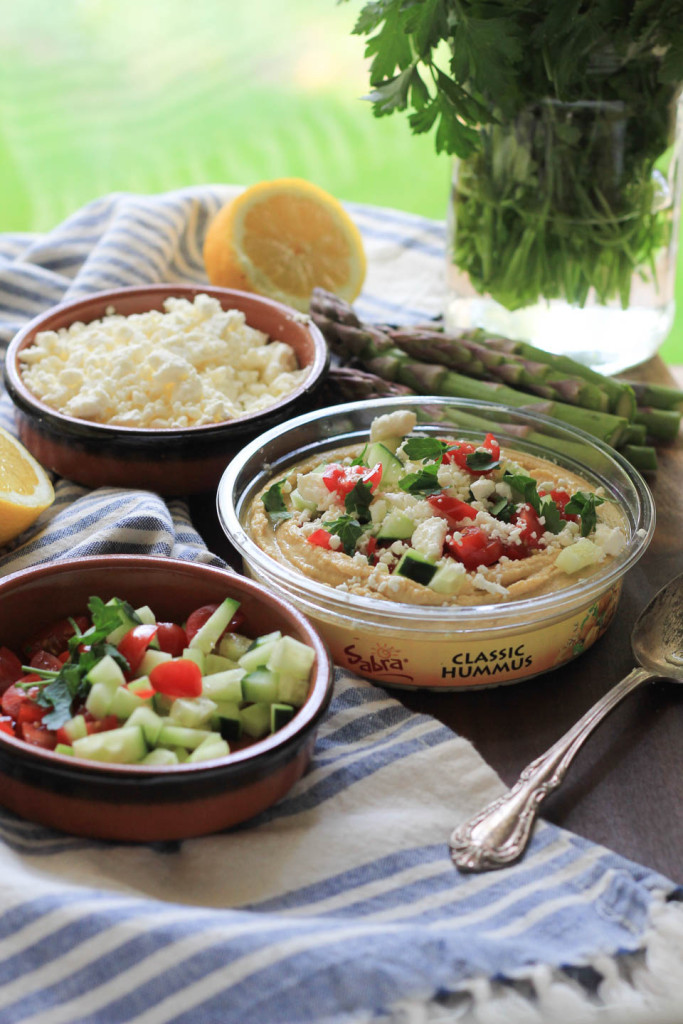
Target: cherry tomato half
(171,638)
(474,547)
(452,509)
(54,638)
(10,668)
(38,735)
(134,644)
(181,678)
(45,660)
(342,479)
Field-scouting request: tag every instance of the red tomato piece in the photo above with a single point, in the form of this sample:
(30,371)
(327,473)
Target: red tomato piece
(6,725)
(459,451)
(474,547)
(452,509)
(181,678)
(134,644)
(172,638)
(198,617)
(561,498)
(101,724)
(45,660)
(342,479)
(15,697)
(531,527)
(10,668)
(38,736)
(30,712)
(320,538)
(54,638)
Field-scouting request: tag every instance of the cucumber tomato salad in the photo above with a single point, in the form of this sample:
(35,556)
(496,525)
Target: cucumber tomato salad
(118,686)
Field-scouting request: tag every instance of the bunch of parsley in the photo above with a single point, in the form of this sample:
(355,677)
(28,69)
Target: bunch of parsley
(560,111)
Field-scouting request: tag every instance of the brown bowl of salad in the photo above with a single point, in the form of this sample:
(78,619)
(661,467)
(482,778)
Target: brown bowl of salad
(146,698)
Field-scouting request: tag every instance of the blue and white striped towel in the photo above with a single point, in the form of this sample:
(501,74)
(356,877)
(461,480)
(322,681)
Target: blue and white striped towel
(339,905)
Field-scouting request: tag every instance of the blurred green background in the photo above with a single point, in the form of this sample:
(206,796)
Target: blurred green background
(147,95)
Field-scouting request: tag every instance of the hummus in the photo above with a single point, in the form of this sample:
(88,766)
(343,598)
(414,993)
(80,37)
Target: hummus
(434,520)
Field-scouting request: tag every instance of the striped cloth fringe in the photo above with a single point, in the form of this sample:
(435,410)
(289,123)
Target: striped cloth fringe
(340,904)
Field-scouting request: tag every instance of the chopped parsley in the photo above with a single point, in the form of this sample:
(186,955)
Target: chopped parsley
(420,448)
(524,488)
(424,481)
(347,529)
(584,505)
(481,461)
(357,501)
(274,503)
(61,688)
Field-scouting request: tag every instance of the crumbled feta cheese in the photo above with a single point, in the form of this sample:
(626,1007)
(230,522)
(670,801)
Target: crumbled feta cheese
(610,539)
(428,537)
(192,363)
(481,582)
(392,424)
(482,488)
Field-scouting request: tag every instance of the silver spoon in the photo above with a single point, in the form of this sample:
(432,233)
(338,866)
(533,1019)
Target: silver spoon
(499,833)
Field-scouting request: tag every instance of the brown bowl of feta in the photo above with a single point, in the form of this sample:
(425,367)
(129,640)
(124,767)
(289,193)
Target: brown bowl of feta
(158,386)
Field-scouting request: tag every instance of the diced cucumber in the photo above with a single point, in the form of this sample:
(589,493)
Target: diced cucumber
(448,578)
(151,659)
(107,672)
(124,702)
(300,503)
(180,736)
(149,722)
(266,638)
(146,615)
(64,748)
(206,638)
(292,689)
(291,656)
(258,654)
(209,750)
(217,663)
(396,526)
(162,703)
(224,685)
(179,752)
(280,714)
(99,700)
(256,720)
(128,620)
(260,686)
(578,556)
(75,728)
(141,687)
(195,655)
(416,567)
(118,746)
(161,756)
(392,467)
(227,720)
(233,646)
(194,712)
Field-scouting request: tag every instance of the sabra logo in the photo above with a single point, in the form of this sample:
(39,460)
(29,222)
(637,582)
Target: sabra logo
(382,661)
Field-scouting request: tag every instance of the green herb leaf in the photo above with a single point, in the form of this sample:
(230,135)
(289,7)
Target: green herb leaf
(524,489)
(360,459)
(584,504)
(503,510)
(481,461)
(420,448)
(551,515)
(357,501)
(424,481)
(274,503)
(348,529)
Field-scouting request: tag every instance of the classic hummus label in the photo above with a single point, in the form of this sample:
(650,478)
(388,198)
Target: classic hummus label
(453,664)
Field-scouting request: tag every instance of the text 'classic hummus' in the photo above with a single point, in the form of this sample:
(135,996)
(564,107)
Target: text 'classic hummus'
(436,520)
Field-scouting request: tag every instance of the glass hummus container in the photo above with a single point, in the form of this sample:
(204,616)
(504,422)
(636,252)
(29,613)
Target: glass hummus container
(443,647)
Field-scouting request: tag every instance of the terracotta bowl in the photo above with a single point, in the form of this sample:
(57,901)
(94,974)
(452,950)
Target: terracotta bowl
(185,461)
(149,803)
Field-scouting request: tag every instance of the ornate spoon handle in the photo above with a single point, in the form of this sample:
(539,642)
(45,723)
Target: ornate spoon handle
(498,834)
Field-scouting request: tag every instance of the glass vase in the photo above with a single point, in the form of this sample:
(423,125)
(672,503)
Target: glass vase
(563,229)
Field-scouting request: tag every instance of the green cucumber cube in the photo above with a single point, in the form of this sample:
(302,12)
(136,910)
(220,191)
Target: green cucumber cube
(209,750)
(233,646)
(161,757)
(117,746)
(217,663)
(151,659)
(149,722)
(125,701)
(291,657)
(396,526)
(448,578)
(172,735)
(258,654)
(146,615)
(280,714)
(99,700)
(206,638)
(256,720)
(223,685)
(76,727)
(260,686)
(292,689)
(392,467)
(108,672)
(195,712)
(227,720)
(416,567)
(195,655)
(64,748)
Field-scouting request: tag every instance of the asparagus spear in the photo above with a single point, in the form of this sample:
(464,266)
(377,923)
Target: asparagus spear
(662,424)
(657,396)
(373,348)
(460,352)
(353,385)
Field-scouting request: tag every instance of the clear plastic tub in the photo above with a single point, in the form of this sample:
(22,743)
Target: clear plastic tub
(445,647)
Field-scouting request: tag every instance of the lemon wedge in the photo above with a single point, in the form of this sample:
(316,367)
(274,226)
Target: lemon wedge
(25,488)
(282,239)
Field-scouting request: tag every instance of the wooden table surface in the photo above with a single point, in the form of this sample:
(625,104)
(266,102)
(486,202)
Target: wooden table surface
(625,788)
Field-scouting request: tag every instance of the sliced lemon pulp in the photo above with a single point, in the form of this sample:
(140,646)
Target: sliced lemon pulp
(25,488)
